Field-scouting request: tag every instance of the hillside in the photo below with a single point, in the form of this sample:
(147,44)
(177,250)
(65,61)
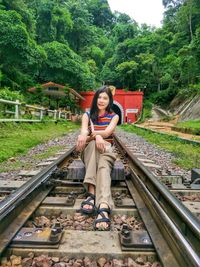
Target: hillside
(180,118)
(187,109)
(83,44)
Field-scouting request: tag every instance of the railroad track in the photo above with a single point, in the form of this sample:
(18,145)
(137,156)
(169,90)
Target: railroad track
(149,223)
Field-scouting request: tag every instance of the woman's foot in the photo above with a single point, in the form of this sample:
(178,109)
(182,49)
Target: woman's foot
(88,205)
(102,222)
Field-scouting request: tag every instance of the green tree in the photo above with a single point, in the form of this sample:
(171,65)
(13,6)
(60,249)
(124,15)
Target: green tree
(20,55)
(65,66)
(126,71)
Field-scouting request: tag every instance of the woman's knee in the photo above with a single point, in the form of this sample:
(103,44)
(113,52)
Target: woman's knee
(106,161)
(91,144)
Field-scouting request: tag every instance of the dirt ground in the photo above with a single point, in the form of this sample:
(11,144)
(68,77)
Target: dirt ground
(165,127)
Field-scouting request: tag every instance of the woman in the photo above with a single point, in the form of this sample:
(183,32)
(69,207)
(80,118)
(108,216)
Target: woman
(96,132)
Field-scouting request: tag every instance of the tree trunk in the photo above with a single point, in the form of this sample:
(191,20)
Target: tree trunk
(158,87)
(190,20)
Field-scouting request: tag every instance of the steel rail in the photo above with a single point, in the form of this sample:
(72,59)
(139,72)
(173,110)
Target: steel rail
(179,246)
(183,220)
(19,200)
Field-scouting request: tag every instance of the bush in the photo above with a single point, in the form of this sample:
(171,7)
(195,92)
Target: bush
(6,93)
(163,98)
(146,112)
(190,91)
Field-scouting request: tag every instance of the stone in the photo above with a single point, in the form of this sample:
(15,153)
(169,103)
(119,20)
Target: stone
(140,261)
(117,263)
(131,263)
(78,263)
(108,264)
(65,259)
(93,264)
(5,262)
(16,260)
(101,262)
(42,261)
(87,262)
(60,264)
(55,259)
(42,221)
(27,262)
(31,255)
(156,264)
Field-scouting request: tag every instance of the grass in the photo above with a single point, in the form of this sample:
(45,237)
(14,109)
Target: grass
(187,155)
(189,124)
(48,153)
(17,138)
(192,127)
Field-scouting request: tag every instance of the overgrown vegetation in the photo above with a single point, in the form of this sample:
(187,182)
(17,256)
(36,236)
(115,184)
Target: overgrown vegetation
(187,155)
(82,43)
(192,127)
(17,138)
(146,111)
(189,124)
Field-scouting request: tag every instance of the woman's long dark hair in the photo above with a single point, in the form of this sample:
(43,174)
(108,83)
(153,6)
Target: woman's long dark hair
(94,109)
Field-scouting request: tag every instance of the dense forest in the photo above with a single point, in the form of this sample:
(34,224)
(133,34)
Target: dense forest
(83,44)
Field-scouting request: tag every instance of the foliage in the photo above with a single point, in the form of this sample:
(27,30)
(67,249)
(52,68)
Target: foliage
(146,111)
(82,43)
(7,94)
(38,97)
(63,65)
(164,97)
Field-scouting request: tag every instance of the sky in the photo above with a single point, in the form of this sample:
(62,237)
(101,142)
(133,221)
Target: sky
(142,11)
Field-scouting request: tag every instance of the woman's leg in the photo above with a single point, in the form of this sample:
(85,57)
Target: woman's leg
(90,157)
(103,185)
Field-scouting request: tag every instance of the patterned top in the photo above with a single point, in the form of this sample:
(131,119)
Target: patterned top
(103,121)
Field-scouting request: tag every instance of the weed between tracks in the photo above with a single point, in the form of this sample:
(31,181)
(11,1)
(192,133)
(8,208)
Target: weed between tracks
(187,155)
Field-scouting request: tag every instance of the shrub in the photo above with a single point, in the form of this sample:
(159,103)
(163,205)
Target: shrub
(6,93)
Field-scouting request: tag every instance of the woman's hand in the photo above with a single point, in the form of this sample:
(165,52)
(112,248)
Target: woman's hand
(100,143)
(80,144)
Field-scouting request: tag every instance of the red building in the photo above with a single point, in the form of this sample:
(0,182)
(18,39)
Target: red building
(128,105)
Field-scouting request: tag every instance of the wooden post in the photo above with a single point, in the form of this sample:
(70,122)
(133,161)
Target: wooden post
(59,114)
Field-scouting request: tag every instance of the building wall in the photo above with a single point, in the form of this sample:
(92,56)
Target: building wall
(129,102)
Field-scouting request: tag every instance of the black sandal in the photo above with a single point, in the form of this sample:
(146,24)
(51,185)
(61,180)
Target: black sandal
(101,211)
(88,202)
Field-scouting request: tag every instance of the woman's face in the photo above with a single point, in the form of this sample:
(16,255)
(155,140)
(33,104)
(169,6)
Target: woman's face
(102,101)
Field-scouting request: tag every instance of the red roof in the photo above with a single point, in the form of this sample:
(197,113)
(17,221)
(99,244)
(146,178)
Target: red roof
(49,84)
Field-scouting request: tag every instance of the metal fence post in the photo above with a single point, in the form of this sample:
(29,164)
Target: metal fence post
(59,114)
(17,110)
(41,114)
(55,114)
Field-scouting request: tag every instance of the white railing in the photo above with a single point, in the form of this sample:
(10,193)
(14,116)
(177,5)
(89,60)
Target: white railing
(22,110)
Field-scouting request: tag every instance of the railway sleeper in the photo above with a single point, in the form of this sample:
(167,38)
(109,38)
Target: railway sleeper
(76,171)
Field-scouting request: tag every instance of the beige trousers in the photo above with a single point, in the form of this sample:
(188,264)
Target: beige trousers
(98,168)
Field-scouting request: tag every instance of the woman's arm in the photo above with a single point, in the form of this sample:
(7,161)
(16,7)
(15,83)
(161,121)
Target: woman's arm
(82,138)
(109,129)
(84,125)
